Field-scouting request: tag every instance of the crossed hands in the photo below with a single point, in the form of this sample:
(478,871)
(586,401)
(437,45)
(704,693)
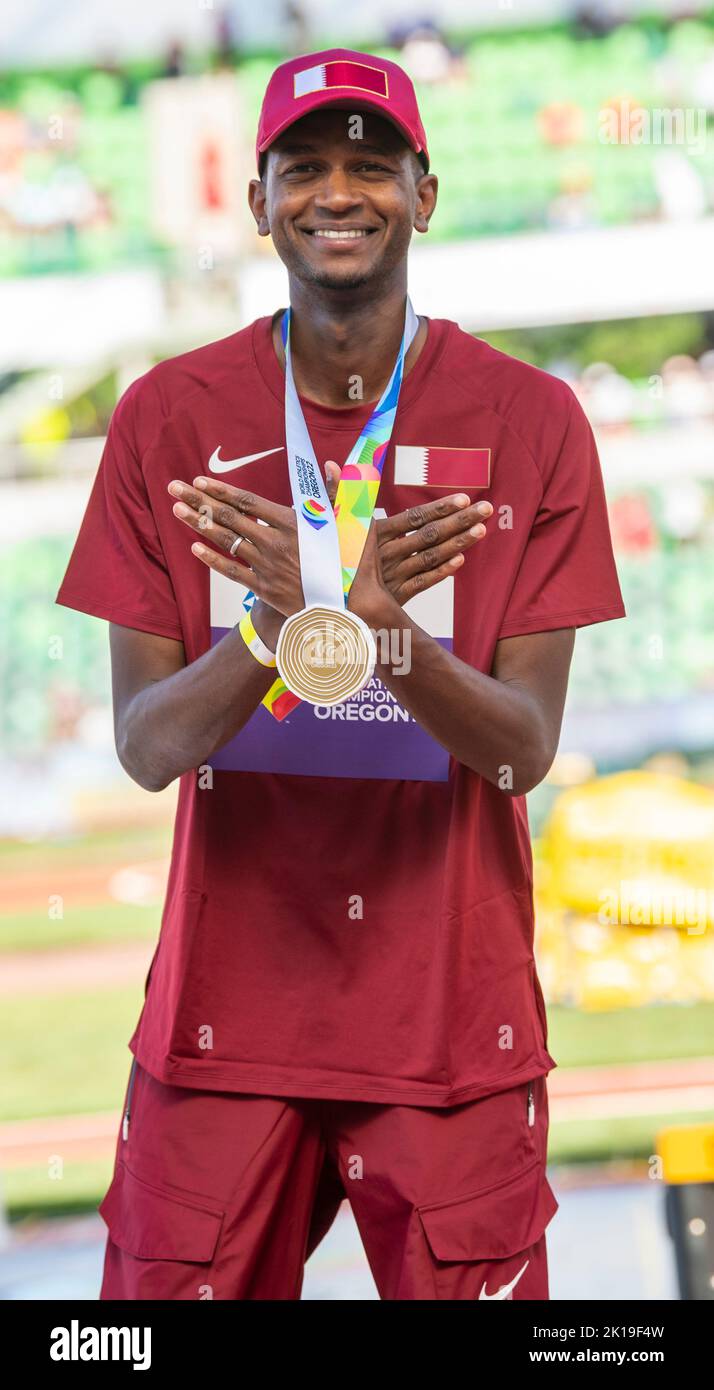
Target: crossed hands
(404,554)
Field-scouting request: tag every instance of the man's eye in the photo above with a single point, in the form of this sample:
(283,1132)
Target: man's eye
(380,168)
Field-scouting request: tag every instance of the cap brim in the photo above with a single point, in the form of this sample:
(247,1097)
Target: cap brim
(342,103)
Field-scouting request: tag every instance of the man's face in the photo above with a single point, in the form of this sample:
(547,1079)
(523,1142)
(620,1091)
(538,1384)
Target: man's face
(340,209)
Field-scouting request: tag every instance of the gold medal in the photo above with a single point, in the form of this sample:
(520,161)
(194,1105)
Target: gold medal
(325,655)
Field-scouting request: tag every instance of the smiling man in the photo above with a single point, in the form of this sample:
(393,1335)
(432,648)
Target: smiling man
(343,999)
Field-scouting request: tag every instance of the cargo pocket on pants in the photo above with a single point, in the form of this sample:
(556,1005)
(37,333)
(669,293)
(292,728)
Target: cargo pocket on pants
(167,1234)
(488,1244)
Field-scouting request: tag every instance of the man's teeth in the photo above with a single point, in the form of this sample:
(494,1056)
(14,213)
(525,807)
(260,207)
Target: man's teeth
(340,236)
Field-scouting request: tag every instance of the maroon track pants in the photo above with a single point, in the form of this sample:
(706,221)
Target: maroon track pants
(225,1195)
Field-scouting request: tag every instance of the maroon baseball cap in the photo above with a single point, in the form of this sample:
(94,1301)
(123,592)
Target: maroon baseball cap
(339,77)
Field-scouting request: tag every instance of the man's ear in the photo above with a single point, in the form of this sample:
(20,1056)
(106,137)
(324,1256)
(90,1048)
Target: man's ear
(427,192)
(256,203)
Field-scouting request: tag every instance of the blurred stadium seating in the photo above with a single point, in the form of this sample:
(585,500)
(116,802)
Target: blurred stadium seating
(515,136)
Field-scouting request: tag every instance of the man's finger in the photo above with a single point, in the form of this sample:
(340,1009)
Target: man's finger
(422,582)
(434,557)
(332,479)
(414,517)
(242,500)
(433,533)
(221,514)
(232,569)
(203,521)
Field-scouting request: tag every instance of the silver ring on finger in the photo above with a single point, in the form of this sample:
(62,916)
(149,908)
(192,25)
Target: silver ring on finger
(238,541)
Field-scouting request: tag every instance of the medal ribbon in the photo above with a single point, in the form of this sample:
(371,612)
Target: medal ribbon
(331,542)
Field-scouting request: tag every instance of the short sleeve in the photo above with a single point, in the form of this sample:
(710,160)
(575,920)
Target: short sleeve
(567,575)
(118,569)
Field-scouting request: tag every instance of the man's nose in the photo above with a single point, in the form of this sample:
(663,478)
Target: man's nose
(337,189)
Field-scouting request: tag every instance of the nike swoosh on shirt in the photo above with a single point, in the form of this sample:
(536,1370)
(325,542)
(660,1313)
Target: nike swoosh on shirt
(505,1289)
(219,465)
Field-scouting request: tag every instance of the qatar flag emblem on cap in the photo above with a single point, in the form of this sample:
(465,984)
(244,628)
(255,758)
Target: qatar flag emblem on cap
(337,77)
(433,466)
(340,72)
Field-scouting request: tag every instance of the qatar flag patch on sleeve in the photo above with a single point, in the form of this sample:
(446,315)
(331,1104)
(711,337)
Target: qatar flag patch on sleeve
(430,465)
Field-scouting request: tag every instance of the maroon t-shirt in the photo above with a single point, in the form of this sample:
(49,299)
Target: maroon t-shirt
(349,910)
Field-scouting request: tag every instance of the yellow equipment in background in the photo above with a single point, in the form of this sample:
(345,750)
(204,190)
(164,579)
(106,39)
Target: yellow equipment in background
(625,894)
(686,1153)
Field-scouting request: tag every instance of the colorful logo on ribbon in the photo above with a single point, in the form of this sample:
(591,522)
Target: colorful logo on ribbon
(314,512)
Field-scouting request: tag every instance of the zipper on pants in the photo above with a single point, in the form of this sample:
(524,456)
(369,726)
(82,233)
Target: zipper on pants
(127,1108)
(531,1104)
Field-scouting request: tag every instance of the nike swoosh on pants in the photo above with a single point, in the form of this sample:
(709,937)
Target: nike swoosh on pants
(505,1289)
